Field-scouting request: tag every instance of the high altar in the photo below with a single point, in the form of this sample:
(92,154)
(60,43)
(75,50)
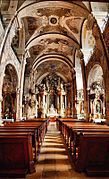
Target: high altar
(52,113)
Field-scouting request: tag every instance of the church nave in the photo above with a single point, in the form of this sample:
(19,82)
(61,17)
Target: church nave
(54,74)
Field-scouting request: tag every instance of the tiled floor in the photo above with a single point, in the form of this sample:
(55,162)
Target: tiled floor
(54,161)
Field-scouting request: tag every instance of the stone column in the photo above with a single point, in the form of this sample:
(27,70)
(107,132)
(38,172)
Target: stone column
(80,55)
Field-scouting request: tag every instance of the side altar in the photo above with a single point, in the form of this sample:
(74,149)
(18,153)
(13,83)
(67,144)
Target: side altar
(52,113)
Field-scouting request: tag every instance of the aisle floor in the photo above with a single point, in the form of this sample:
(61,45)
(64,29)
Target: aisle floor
(54,161)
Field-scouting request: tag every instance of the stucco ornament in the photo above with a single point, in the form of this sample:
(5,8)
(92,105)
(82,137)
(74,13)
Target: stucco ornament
(44,21)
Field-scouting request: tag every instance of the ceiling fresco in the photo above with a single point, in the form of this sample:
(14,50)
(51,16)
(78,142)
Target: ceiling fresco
(52,28)
(55,67)
(58,20)
(54,44)
(45,46)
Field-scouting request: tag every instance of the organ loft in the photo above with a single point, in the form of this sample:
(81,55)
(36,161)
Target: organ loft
(54,59)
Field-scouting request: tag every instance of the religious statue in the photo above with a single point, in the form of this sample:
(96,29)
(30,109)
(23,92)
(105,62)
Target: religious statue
(98,107)
(62,88)
(52,109)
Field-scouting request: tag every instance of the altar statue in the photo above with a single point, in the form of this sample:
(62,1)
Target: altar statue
(52,109)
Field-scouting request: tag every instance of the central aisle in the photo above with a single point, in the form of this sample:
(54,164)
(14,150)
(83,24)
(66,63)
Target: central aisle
(54,161)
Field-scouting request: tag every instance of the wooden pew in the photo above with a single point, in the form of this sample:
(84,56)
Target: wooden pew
(70,128)
(42,128)
(38,136)
(45,120)
(34,133)
(16,157)
(93,153)
(37,131)
(75,141)
(66,126)
(85,137)
(60,121)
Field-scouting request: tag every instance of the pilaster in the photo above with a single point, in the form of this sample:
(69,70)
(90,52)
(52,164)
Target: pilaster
(21,84)
(80,55)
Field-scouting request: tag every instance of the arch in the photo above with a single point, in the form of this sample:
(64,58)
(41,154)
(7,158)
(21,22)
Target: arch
(27,3)
(53,35)
(9,89)
(83,33)
(47,57)
(3,73)
(10,62)
(95,74)
(46,74)
(96,92)
(87,41)
(67,4)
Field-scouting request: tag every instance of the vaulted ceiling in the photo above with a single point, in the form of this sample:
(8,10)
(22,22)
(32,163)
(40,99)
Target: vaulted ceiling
(53,31)
(52,35)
